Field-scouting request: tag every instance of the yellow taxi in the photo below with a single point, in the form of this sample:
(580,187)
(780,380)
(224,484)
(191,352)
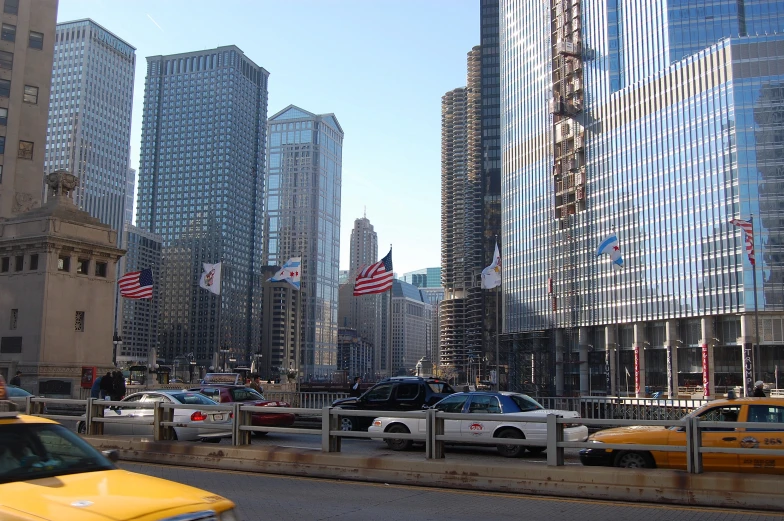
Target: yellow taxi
(49,473)
(755,410)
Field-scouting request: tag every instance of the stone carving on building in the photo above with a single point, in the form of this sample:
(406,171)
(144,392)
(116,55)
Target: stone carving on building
(23,202)
(62,182)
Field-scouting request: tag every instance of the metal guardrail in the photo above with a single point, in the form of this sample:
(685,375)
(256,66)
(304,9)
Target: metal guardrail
(434,437)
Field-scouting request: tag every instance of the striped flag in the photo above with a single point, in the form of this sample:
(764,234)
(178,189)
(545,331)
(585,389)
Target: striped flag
(136,284)
(376,278)
(748,228)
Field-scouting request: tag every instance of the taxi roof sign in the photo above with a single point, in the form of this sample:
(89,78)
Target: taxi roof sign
(222,378)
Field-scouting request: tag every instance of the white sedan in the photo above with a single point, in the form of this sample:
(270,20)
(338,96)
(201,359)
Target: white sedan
(140,418)
(509,406)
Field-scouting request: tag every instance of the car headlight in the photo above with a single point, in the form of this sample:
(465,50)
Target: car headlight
(376,423)
(228,515)
(594,441)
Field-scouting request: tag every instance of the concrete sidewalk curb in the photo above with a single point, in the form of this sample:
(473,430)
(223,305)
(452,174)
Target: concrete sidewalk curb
(748,491)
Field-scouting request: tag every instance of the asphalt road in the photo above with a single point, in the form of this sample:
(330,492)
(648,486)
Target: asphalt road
(263,497)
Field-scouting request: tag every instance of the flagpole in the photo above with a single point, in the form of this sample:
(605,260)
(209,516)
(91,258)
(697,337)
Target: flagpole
(756,311)
(497,334)
(389,327)
(218,328)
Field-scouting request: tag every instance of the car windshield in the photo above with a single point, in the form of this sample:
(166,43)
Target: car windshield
(192,399)
(244,394)
(43,450)
(526,403)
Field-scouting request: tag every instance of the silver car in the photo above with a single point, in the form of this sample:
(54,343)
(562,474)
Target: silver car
(140,418)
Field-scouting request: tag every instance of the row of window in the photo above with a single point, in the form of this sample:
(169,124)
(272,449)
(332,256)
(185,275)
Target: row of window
(63,264)
(35,40)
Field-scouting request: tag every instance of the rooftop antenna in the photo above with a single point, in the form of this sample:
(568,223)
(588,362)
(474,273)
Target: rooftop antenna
(364,214)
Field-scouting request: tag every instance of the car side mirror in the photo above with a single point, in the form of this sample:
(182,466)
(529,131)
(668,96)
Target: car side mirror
(112,455)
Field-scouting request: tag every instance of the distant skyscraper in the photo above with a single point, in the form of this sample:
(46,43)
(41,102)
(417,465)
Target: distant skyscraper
(424,278)
(412,318)
(201,189)
(140,318)
(90,117)
(130,192)
(462,220)
(303,219)
(25,82)
(363,246)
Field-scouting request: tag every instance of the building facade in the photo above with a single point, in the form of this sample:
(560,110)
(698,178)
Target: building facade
(462,254)
(424,278)
(201,184)
(412,319)
(303,219)
(89,130)
(663,144)
(130,193)
(354,354)
(26,56)
(139,319)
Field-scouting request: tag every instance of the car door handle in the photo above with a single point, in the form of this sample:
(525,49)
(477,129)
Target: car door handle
(731,438)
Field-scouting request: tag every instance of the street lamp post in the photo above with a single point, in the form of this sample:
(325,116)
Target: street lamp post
(116,341)
(224,352)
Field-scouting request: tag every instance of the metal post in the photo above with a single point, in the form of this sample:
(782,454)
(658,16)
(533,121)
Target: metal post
(96,411)
(497,334)
(555,454)
(757,362)
(434,448)
(329,422)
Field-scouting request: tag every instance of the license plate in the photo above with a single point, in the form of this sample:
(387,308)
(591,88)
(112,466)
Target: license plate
(218,417)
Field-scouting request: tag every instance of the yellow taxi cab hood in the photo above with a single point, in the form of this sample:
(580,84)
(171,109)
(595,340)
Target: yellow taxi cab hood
(610,435)
(106,495)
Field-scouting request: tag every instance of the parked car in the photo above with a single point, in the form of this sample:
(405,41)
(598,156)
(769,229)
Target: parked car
(16,392)
(239,393)
(401,393)
(49,473)
(756,410)
(141,416)
(509,407)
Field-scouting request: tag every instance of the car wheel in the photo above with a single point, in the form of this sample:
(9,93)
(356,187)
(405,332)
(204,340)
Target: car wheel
(536,450)
(634,460)
(511,451)
(395,444)
(81,428)
(347,424)
(260,434)
(211,440)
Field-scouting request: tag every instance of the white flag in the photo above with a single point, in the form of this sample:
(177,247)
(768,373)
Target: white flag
(491,275)
(211,278)
(290,272)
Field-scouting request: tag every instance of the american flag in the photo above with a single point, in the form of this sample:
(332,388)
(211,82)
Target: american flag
(376,278)
(136,284)
(748,228)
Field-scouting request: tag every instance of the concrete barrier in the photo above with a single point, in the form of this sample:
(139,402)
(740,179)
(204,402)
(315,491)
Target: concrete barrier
(718,489)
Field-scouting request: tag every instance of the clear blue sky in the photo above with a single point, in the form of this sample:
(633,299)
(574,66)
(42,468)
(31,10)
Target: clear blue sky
(381,66)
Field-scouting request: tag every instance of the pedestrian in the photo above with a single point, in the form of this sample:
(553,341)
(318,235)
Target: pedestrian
(95,390)
(106,386)
(17,380)
(256,384)
(759,389)
(118,385)
(355,389)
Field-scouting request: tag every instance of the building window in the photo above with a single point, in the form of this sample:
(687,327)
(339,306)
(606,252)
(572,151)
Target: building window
(19,262)
(25,150)
(64,263)
(36,40)
(34,262)
(79,321)
(2,144)
(5,264)
(5,88)
(14,319)
(11,7)
(1,170)
(30,94)
(8,33)
(82,265)
(101,269)
(3,116)
(6,60)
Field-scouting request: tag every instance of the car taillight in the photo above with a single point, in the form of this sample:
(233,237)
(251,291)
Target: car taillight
(231,415)
(198,416)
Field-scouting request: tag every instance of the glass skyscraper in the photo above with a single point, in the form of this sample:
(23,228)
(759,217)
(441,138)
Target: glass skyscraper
(89,132)
(303,219)
(201,180)
(662,125)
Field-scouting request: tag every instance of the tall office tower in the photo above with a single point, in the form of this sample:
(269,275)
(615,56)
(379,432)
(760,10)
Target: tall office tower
(303,219)
(663,144)
(412,318)
(26,55)
(130,193)
(424,278)
(462,258)
(363,246)
(201,189)
(90,116)
(491,167)
(139,318)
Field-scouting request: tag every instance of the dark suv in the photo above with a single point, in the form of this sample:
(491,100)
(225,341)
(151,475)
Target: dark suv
(402,393)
